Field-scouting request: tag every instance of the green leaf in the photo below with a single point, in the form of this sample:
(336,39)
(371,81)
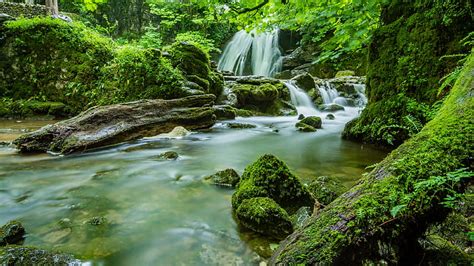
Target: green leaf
(395,210)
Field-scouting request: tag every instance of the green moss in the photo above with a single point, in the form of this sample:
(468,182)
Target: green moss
(265,216)
(326,189)
(264,98)
(344,73)
(11,233)
(228,178)
(270,177)
(360,223)
(15,255)
(312,121)
(420,33)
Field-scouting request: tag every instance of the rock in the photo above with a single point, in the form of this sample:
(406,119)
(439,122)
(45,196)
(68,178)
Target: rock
(265,216)
(177,132)
(267,98)
(301,116)
(270,177)
(15,255)
(301,216)
(345,73)
(326,189)
(99,220)
(285,74)
(11,233)
(227,178)
(244,113)
(330,117)
(224,112)
(439,251)
(253,80)
(333,107)
(106,125)
(169,155)
(313,121)
(240,125)
(305,128)
(305,82)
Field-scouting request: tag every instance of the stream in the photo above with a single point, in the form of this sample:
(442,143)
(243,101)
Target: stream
(119,205)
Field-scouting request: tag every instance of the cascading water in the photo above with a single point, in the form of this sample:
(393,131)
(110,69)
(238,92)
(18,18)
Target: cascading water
(360,88)
(303,103)
(328,93)
(261,50)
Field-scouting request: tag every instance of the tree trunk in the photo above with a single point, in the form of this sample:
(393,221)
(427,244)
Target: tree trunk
(358,226)
(53,7)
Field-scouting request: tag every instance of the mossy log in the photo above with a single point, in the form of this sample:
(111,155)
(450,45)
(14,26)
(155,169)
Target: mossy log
(359,227)
(106,125)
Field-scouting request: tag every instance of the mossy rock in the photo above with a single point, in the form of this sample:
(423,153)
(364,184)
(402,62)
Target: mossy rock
(326,189)
(305,82)
(265,98)
(271,177)
(330,117)
(265,216)
(16,255)
(224,112)
(11,233)
(227,178)
(305,127)
(169,155)
(345,73)
(439,251)
(333,107)
(312,121)
(240,125)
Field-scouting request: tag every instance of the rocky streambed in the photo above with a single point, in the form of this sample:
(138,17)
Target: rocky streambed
(153,198)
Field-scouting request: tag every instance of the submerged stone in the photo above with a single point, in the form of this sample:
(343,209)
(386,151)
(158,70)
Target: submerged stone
(313,121)
(240,125)
(228,177)
(169,155)
(330,117)
(16,255)
(265,216)
(99,220)
(11,233)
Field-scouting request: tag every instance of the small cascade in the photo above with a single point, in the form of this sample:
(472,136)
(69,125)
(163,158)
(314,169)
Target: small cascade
(328,93)
(260,50)
(360,88)
(303,103)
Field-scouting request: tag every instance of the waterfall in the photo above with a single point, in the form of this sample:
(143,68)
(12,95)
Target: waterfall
(360,88)
(328,93)
(261,50)
(303,103)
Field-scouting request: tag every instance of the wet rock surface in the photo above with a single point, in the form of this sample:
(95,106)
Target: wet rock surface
(107,125)
(227,178)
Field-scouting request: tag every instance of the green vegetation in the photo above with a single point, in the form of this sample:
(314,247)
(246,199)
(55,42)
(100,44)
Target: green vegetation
(50,67)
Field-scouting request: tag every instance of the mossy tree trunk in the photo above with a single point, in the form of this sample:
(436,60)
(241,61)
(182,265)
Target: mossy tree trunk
(53,6)
(359,227)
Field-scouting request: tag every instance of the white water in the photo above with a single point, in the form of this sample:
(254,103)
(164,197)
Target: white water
(362,101)
(303,103)
(261,50)
(328,93)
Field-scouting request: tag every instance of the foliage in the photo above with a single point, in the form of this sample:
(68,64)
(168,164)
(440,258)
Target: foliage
(443,189)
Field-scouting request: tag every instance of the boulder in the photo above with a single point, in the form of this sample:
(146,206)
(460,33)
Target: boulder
(177,132)
(313,121)
(305,82)
(11,233)
(271,177)
(330,117)
(227,178)
(325,189)
(265,216)
(107,125)
(305,128)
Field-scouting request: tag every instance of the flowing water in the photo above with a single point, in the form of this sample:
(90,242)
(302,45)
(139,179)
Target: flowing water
(161,212)
(252,53)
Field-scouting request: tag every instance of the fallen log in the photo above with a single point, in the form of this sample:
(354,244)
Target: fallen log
(381,218)
(107,125)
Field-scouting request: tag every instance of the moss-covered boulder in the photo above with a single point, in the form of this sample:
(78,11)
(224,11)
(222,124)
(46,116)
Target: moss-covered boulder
(168,155)
(227,178)
(305,82)
(265,216)
(11,233)
(401,89)
(309,123)
(196,66)
(326,189)
(265,96)
(16,255)
(345,73)
(271,177)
